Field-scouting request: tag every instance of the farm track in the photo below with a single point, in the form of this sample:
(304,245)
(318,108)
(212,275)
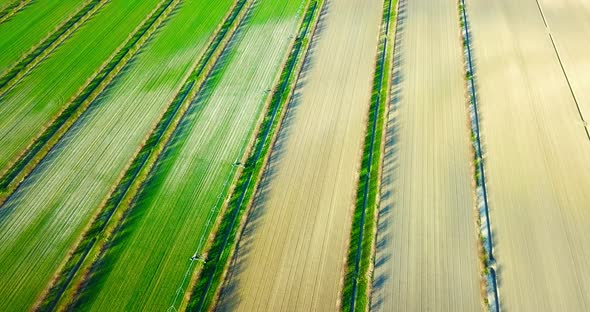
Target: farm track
(205,286)
(44,48)
(291,254)
(144,160)
(427,251)
(359,269)
(537,152)
(12,9)
(20,169)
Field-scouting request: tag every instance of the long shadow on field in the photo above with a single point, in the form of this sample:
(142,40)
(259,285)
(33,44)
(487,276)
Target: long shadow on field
(101,269)
(229,297)
(18,11)
(491,240)
(53,50)
(389,168)
(34,177)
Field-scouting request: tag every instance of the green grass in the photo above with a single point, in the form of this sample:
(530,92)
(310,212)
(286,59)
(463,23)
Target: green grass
(357,279)
(46,217)
(29,26)
(35,101)
(202,295)
(170,214)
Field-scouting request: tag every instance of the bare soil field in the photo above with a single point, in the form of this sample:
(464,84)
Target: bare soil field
(537,156)
(292,252)
(569,22)
(427,257)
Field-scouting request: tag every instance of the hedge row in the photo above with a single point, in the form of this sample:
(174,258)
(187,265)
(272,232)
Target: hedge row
(357,279)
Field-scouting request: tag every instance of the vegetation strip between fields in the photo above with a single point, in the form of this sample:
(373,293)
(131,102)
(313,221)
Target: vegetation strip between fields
(12,9)
(50,136)
(485,233)
(104,78)
(40,51)
(132,181)
(217,256)
(355,292)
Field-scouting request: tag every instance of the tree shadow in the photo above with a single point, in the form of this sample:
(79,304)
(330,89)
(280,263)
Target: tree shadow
(229,296)
(389,167)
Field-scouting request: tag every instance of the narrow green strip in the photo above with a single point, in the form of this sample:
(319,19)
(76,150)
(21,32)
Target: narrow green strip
(360,253)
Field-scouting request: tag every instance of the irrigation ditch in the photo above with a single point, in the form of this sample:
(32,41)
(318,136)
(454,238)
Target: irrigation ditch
(207,282)
(359,264)
(47,45)
(111,213)
(40,147)
(491,299)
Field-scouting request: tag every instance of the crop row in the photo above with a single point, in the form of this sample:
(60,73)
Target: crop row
(12,9)
(41,146)
(44,48)
(96,237)
(357,279)
(217,255)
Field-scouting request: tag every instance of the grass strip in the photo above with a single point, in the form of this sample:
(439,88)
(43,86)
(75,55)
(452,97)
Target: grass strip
(209,279)
(12,9)
(485,233)
(49,137)
(40,51)
(96,237)
(357,278)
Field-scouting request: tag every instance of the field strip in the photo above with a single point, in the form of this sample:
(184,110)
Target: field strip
(42,145)
(131,181)
(426,254)
(12,9)
(357,276)
(491,295)
(204,286)
(47,45)
(536,153)
(291,251)
(567,79)
(170,211)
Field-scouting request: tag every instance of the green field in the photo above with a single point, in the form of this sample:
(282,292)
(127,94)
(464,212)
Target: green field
(39,224)
(148,262)
(31,105)
(25,29)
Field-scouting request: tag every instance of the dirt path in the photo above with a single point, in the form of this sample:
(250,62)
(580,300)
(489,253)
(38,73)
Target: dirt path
(537,156)
(426,243)
(292,253)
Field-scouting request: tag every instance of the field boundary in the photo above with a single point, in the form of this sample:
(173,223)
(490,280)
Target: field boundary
(40,147)
(47,45)
(488,262)
(355,292)
(53,292)
(11,9)
(584,122)
(112,212)
(205,292)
